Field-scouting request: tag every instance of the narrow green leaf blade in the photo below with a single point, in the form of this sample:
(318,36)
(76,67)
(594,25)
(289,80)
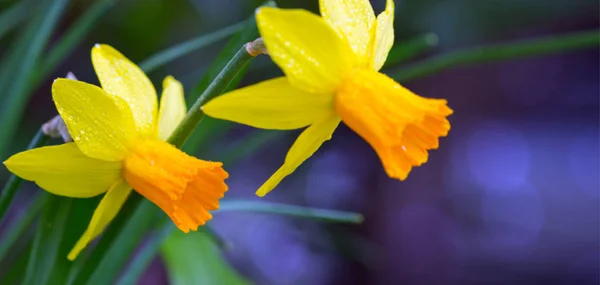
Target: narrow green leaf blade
(12,16)
(17,228)
(72,38)
(16,71)
(324,215)
(146,254)
(177,51)
(47,240)
(11,186)
(194,259)
(513,50)
(411,48)
(79,216)
(116,257)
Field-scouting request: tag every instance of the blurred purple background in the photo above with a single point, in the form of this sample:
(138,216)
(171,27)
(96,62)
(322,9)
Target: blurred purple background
(511,197)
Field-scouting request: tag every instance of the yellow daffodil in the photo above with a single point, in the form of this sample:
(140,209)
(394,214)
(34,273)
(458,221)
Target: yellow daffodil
(331,65)
(119,144)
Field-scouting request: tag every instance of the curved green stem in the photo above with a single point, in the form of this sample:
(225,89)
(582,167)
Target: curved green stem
(219,84)
(11,186)
(525,48)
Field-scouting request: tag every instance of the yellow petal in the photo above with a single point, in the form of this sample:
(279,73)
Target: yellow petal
(384,36)
(101,124)
(271,104)
(172,107)
(106,211)
(308,50)
(307,143)
(121,77)
(353,18)
(64,170)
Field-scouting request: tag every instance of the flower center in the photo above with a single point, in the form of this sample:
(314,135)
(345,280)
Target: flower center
(398,124)
(184,187)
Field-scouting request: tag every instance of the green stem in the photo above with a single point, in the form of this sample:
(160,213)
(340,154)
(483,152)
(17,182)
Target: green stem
(536,47)
(219,84)
(11,186)
(290,210)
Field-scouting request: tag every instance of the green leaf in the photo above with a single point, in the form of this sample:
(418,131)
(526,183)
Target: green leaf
(142,259)
(12,16)
(72,38)
(16,272)
(11,186)
(514,50)
(77,222)
(116,244)
(324,215)
(194,259)
(177,51)
(248,145)
(47,240)
(19,62)
(16,229)
(411,48)
(115,257)
(145,255)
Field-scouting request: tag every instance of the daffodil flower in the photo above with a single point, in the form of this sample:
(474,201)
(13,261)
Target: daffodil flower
(331,66)
(119,143)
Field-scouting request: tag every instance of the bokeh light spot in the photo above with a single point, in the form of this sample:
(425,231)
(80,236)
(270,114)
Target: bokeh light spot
(498,157)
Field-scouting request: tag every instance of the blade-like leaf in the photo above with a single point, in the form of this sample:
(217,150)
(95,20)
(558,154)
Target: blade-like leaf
(290,210)
(17,66)
(47,240)
(16,229)
(11,186)
(72,38)
(145,255)
(15,274)
(194,259)
(411,48)
(184,48)
(78,219)
(115,257)
(12,16)
(500,52)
